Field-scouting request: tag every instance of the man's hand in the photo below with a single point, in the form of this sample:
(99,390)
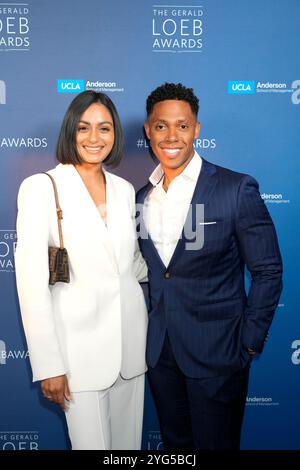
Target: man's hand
(251,352)
(56,389)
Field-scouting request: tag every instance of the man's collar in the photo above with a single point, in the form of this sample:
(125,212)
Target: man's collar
(191,171)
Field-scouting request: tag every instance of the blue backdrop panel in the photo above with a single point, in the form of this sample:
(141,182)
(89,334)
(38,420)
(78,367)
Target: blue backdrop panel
(241,58)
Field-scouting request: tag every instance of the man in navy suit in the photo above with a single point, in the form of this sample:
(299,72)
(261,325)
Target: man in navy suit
(200,225)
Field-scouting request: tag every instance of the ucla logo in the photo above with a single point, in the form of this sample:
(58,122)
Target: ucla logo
(241,87)
(2,92)
(70,86)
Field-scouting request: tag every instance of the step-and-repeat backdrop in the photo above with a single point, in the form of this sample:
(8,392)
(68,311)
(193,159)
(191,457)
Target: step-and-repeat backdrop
(242,59)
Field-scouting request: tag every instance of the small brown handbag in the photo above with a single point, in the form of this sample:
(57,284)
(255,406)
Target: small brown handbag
(58,256)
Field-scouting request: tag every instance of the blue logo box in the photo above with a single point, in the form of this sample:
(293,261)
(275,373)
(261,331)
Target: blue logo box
(241,87)
(70,86)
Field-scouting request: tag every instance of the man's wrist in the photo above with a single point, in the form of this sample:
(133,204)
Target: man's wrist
(251,352)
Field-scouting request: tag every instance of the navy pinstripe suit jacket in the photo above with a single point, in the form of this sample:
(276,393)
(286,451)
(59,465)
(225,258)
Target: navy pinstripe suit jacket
(200,298)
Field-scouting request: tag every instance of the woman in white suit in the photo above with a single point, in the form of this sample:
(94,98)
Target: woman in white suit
(86,338)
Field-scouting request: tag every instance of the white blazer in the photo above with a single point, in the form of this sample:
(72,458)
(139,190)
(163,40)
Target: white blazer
(93,328)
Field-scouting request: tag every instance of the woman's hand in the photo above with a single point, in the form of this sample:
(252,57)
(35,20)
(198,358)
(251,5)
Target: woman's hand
(56,389)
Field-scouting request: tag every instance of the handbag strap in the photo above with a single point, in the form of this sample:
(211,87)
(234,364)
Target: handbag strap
(59,212)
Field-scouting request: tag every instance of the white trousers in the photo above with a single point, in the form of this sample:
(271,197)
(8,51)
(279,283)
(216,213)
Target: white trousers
(108,419)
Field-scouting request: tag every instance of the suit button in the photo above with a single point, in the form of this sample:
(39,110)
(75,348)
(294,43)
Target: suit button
(167,275)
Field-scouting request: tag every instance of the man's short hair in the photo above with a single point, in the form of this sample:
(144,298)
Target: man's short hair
(172,91)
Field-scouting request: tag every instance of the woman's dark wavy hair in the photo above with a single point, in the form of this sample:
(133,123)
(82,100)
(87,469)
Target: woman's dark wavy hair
(172,91)
(66,151)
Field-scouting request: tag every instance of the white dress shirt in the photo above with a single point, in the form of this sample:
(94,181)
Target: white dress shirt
(165,212)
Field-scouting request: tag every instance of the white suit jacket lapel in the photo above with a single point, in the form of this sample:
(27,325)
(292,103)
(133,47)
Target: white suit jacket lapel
(114,216)
(86,210)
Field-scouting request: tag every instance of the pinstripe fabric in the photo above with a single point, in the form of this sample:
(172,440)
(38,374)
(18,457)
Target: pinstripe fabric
(203,304)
